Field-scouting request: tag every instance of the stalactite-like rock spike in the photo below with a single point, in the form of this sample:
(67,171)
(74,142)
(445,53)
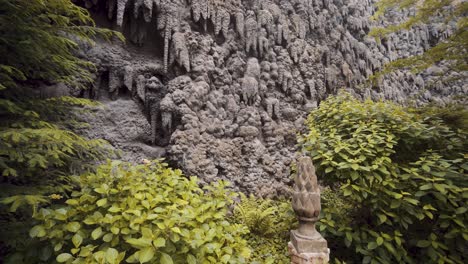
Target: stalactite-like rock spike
(226,20)
(217,20)
(284,29)
(263,42)
(300,26)
(211,12)
(114,80)
(249,90)
(204,8)
(136,7)
(120,11)
(240,24)
(140,86)
(279,34)
(128,77)
(196,7)
(148,12)
(251,32)
(181,52)
(167,34)
(265,19)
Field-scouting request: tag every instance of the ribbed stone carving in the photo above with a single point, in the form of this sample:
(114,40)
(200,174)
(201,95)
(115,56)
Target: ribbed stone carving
(306,204)
(306,194)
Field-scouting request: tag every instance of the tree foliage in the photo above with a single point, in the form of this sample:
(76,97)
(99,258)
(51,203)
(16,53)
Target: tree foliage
(451,14)
(142,214)
(403,175)
(38,40)
(38,152)
(38,156)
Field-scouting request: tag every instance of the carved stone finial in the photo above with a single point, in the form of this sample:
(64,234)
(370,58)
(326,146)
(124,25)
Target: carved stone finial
(306,242)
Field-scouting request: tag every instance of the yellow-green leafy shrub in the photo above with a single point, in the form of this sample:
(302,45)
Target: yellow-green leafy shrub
(142,214)
(403,175)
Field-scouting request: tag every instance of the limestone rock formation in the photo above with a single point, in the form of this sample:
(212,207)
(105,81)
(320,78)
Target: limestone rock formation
(234,79)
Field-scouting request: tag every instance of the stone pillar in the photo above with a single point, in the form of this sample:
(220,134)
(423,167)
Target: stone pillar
(307,246)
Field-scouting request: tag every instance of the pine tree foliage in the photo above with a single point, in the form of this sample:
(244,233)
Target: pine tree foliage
(450,13)
(39,154)
(38,39)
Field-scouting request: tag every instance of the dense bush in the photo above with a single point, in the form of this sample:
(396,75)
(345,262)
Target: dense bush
(142,214)
(403,174)
(269,222)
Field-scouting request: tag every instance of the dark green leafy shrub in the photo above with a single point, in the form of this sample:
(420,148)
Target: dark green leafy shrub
(403,175)
(142,214)
(269,222)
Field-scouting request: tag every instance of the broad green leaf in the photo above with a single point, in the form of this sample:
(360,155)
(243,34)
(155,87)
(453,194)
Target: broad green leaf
(166,259)
(426,187)
(371,245)
(140,242)
(159,242)
(115,230)
(107,237)
(101,202)
(423,243)
(426,168)
(96,233)
(146,254)
(37,231)
(111,255)
(72,202)
(379,241)
(146,232)
(73,227)
(77,240)
(64,257)
(191,259)
(176,230)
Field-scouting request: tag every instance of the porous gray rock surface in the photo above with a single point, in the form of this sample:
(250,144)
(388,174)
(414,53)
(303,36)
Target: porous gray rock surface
(225,85)
(121,123)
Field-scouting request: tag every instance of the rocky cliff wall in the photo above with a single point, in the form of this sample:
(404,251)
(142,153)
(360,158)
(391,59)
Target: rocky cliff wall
(225,85)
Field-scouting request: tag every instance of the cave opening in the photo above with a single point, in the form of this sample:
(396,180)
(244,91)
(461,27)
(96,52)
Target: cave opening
(144,37)
(101,88)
